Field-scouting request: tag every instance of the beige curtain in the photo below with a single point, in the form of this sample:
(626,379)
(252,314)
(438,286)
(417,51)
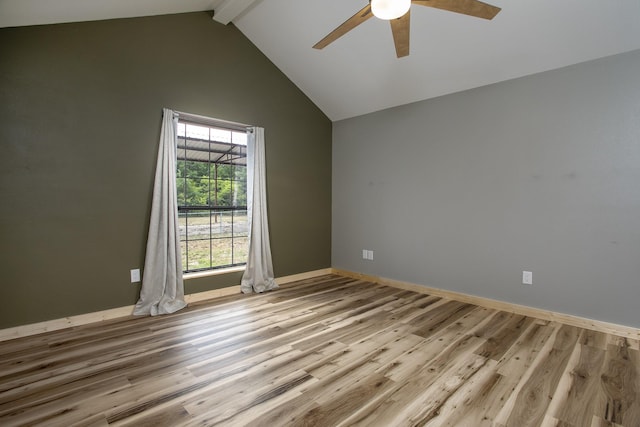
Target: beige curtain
(162,286)
(258,275)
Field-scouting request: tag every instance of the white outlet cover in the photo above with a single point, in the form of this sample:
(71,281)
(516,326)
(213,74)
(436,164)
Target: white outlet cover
(135,275)
(527,278)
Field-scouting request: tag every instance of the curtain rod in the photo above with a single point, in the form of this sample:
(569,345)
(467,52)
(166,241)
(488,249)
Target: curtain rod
(214,122)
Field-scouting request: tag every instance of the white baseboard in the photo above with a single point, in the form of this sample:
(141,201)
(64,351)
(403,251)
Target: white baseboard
(83,319)
(303,276)
(114,313)
(581,322)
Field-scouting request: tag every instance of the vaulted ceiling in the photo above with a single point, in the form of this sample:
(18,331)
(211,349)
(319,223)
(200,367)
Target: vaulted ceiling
(359,73)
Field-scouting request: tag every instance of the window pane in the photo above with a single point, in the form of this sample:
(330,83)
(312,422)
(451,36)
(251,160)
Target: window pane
(240,224)
(221,135)
(184,253)
(216,197)
(198,225)
(222,192)
(240,249)
(225,171)
(181,129)
(182,226)
(181,169)
(197,169)
(222,226)
(181,187)
(222,251)
(199,254)
(197,132)
(240,173)
(239,138)
(196,192)
(181,151)
(240,192)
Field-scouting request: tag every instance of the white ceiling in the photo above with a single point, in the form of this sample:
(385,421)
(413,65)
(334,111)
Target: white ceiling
(359,73)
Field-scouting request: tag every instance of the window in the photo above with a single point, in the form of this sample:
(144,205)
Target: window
(211,180)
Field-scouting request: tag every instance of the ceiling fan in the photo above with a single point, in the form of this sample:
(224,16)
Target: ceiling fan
(398,12)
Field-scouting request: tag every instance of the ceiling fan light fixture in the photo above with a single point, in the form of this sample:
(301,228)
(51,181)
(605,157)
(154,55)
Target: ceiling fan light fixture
(389,9)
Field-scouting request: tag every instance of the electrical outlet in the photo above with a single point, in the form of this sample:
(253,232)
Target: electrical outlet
(370,255)
(527,278)
(135,275)
(364,253)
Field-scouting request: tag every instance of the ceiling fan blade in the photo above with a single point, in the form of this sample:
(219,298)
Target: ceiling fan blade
(400,30)
(345,27)
(467,7)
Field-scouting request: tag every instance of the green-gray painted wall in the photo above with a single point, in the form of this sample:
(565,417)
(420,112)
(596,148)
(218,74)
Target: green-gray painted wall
(80,113)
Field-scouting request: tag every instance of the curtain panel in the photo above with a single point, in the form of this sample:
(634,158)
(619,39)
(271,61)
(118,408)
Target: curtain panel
(162,289)
(258,275)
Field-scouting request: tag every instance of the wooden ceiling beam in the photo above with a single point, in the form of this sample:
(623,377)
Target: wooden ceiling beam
(230,10)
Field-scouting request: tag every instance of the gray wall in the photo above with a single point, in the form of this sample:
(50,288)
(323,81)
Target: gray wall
(80,113)
(466,191)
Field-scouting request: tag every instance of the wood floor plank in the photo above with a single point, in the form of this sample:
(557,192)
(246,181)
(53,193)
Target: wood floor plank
(533,398)
(411,392)
(454,411)
(618,400)
(575,395)
(251,411)
(72,390)
(477,401)
(426,350)
(324,351)
(498,344)
(345,401)
(64,410)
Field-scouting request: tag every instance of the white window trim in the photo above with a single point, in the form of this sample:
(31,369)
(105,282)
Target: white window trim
(213,272)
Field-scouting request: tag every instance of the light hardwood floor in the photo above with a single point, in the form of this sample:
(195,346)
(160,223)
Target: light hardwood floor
(328,351)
